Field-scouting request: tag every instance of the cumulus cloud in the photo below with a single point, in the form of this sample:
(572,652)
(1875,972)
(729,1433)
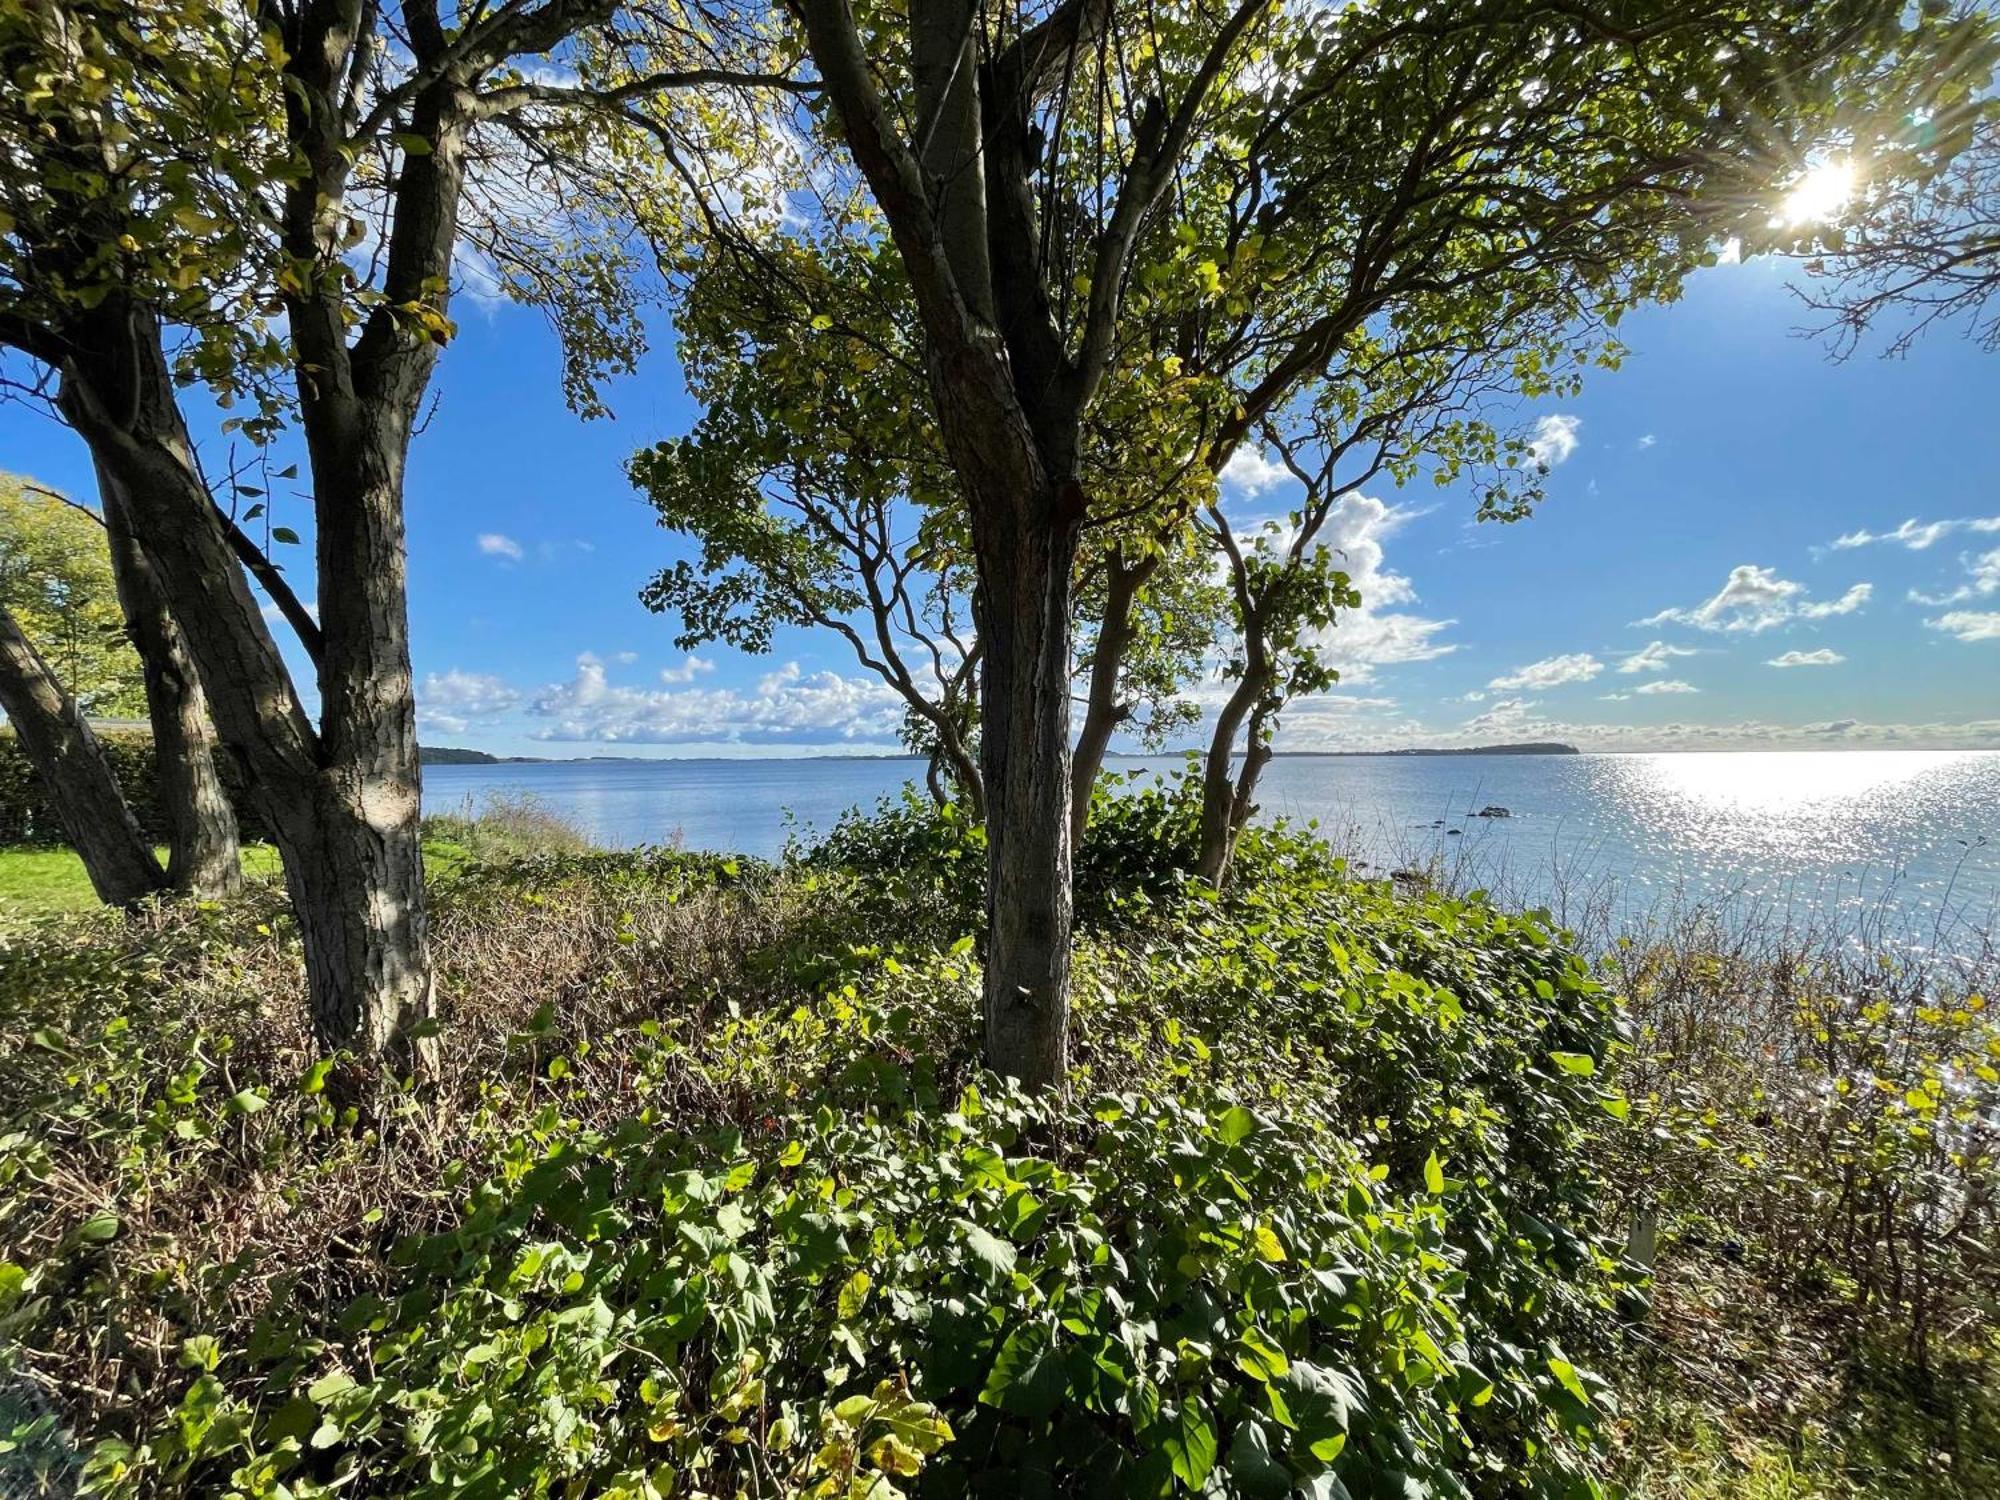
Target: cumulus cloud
(789,705)
(688,670)
(453,701)
(1249,472)
(1819,658)
(1969,624)
(1666,685)
(1378,634)
(1550,671)
(1917,535)
(1554,439)
(496,544)
(1756,598)
(1653,658)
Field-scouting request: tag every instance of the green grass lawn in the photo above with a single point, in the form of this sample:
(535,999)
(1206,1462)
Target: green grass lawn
(40,882)
(36,881)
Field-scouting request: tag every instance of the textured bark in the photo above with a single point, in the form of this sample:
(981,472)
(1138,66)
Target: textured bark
(1025,755)
(203,859)
(1225,793)
(343,808)
(79,778)
(1102,710)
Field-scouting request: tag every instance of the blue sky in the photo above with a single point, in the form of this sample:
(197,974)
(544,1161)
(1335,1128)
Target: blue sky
(1704,488)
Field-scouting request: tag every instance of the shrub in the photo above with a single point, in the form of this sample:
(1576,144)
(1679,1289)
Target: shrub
(706,1199)
(28,817)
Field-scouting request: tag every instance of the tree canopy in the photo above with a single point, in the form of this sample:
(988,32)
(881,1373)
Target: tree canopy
(56,580)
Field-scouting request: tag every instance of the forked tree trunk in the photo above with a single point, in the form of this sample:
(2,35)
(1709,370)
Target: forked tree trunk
(342,807)
(1025,752)
(75,772)
(203,858)
(1225,793)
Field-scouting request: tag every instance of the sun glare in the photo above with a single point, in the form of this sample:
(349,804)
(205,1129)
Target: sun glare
(1820,194)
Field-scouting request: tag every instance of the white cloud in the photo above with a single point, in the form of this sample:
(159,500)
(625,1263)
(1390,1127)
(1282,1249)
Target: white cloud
(1755,599)
(1917,535)
(1551,671)
(1653,658)
(1846,604)
(495,544)
(1554,439)
(1985,581)
(786,705)
(275,615)
(688,670)
(1647,440)
(1249,472)
(1819,658)
(1376,634)
(1666,685)
(453,701)
(1969,624)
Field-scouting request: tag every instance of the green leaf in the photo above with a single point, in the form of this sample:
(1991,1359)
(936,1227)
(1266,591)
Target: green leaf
(1580,1063)
(992,1252)
(98,1229)
(1257,1473)
(854,1295)
(285,534)
(1566,1377)
(1235,1124)
(1190,1443)
(1026,1377)
(1433,1175)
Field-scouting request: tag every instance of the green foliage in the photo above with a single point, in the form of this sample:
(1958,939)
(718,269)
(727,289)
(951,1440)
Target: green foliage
(56,580)
(1312,1216)
(27,817)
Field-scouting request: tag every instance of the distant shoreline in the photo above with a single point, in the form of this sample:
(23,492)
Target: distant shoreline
(451,755)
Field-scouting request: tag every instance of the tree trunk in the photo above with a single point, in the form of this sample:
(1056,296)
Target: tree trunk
(1102,712)
(343,809)
(371,978)
(1025,752)
(74,769)
(203,859)
(1220,819)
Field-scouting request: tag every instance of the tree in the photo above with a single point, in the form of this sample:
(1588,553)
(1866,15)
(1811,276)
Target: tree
(201,168)
(56,579)
(1926,254)
(1058,183)
(65,753)
(77,582)
(815,497)
(818,491)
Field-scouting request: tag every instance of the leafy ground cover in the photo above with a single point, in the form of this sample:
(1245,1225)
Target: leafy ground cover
(707,1198)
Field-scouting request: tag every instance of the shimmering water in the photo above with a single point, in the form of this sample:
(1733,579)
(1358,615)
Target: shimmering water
(1916,829)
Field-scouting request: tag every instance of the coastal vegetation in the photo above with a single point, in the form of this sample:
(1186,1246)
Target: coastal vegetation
(1039,1135)
(1359,1187)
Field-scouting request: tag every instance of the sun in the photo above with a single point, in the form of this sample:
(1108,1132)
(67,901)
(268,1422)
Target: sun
(1819,195)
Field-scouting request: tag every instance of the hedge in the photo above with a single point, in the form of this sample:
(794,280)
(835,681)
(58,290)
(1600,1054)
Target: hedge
(26,816)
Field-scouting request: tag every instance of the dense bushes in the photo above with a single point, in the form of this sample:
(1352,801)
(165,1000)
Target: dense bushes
(26,816)
(707,1199)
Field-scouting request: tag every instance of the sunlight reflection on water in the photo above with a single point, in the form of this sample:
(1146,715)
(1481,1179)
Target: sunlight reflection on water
(1916,830)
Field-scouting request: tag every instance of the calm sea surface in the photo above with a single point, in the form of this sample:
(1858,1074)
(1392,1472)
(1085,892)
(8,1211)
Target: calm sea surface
(1916,830)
